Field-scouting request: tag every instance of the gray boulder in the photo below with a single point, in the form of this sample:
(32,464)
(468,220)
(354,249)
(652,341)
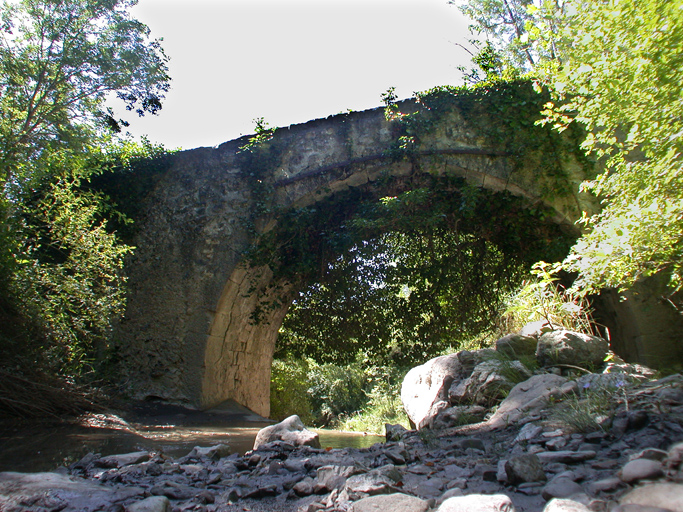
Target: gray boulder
(427,384)
(574,348)
(290,430)
(489,382)
(526,398)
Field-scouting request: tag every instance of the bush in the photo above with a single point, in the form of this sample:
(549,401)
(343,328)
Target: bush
(356,396)
(336,390)
(384,406)
(289,390)
(544,298)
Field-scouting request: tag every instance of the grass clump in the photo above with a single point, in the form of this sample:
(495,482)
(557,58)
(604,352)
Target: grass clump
(589,410)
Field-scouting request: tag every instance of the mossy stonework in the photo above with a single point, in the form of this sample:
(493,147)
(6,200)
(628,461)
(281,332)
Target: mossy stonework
(203,317)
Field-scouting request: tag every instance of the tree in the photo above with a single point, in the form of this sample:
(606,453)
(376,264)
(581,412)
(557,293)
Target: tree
(613,66)
(621,79)
(60,261)
(522,32)
(427,269)
(60,60)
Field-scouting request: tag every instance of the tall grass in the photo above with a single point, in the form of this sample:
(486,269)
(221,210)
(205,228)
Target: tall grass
(543,298)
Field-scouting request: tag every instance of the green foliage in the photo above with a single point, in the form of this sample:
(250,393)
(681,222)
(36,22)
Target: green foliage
(544,298)
(336,390)
(357,396)
(60,258)
(69,274)
(620,79)
(263,133)
(587,411)
(59,61)
(523,33)
(289,390)
(384,406)
(64,262)
(409,275)
(613,69)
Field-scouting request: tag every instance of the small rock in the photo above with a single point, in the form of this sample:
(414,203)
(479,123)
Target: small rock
(477,503)
(378,481)
(561,488)
(652,454)
(396,502)
(394,432)
(556,444)
(151,504)
(641,469)
(471,442)
(524,468)
(211,452)
(605,485)
(564,505)
(566,456)
(333,477)
(304,487)
(290,430)
(118,461)
(528,432)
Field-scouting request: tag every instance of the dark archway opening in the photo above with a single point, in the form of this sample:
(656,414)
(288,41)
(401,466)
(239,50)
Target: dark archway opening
(398,273)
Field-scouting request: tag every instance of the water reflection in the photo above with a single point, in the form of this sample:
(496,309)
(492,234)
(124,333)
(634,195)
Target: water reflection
(29,448)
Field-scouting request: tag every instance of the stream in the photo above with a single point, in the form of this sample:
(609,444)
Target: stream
(174,430)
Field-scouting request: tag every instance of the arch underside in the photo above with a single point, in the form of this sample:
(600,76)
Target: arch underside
(239,351)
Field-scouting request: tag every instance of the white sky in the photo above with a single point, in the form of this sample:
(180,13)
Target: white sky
(291,61)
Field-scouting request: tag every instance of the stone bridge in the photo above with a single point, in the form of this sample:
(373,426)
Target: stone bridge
(188,334)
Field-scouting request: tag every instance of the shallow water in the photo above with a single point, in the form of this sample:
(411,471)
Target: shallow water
(30,448)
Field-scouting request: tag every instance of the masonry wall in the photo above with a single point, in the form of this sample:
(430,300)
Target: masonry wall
(188,334)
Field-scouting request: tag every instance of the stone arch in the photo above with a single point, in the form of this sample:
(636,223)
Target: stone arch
(187,335)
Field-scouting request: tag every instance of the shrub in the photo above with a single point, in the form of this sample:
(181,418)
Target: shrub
(289,390)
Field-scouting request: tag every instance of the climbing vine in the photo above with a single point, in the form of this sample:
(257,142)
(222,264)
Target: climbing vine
(306,243)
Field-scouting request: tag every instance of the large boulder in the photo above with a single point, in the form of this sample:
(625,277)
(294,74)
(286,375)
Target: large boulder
(526,398)
(427,384)
(290,430)
(489,382)
(574,348)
